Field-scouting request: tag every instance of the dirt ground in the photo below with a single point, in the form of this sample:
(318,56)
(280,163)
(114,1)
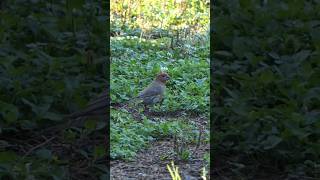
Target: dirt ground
(151,163)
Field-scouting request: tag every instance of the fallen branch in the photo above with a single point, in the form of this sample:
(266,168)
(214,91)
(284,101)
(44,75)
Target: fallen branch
(38,146)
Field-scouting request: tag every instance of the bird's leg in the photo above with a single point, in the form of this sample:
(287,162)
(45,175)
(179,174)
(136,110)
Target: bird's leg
(146,109)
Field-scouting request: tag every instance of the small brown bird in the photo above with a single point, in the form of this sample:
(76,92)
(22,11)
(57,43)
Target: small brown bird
(151,95)
(155,91)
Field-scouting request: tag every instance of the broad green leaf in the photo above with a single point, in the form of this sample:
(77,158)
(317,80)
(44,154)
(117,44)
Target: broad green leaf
(271,142)
(9,112)
(44,153)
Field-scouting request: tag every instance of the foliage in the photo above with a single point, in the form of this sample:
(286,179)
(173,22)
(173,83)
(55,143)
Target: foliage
(128,136)
(149,37)
(266,85)
(12,166)
(135,62)
(44,75)
(134,65)
(42,68)
(160,17)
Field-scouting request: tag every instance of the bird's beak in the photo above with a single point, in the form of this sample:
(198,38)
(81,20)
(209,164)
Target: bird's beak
(167,78)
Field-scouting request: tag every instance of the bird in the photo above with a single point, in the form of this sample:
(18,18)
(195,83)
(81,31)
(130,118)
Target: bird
(149,96)
(155,91)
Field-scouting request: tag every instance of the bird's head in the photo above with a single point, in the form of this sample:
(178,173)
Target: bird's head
(162,77)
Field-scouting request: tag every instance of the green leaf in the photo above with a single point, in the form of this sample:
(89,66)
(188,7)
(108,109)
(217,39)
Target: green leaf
(52,116)
(39,110)
(76,3)
(267,76)
(9,112)
(27,124)
(271,142)
(7,157)
(90,124)
(99,151)
(44,153)
(156,69)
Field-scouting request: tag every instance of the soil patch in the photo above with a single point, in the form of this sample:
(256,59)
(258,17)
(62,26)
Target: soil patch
(151,163)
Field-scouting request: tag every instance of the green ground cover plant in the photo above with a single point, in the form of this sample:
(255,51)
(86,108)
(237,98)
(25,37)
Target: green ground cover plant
(138,64)
(44,75)
(149,37)
(266,85)
(134,65)
(128,136)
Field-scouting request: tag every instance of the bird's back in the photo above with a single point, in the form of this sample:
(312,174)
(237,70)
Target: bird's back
(153,93)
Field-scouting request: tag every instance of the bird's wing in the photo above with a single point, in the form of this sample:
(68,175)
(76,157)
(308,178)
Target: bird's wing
(152,90)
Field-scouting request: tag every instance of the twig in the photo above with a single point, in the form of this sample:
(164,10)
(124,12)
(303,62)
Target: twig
(38,146)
